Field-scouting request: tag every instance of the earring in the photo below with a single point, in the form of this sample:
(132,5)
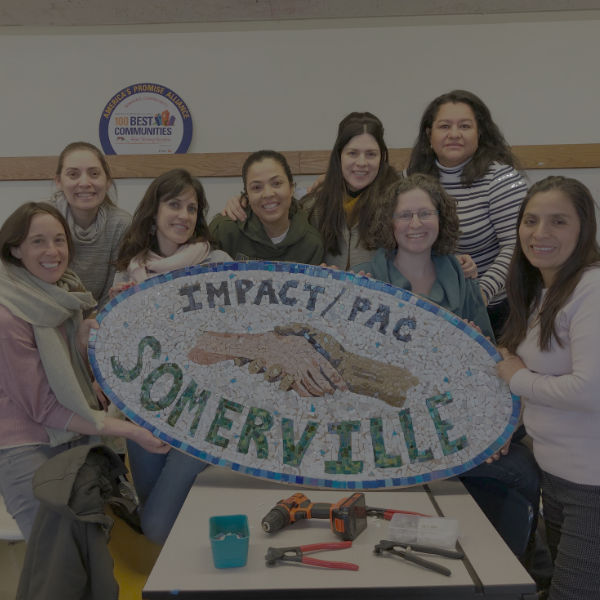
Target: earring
(153,229)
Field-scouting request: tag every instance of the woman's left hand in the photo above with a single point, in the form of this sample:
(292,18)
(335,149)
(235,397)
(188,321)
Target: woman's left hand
(509,365)
(467,265)
(498,455)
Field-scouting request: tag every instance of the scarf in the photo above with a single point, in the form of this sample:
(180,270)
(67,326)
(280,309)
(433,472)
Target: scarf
(46,307)
(187,255)
(79,234)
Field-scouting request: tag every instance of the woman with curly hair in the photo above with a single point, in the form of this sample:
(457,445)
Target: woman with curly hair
(459,143)
(415,228)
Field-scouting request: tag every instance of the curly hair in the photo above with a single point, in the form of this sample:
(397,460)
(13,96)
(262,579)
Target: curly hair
(492,147)
(327,211)
(524,282)
(73,147)
(381,228)
(140,236)
(15,229)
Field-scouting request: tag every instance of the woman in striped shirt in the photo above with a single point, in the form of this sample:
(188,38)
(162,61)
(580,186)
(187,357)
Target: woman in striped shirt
(459,143)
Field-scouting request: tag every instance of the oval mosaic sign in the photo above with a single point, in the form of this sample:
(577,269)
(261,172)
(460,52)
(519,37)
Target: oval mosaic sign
(303,375)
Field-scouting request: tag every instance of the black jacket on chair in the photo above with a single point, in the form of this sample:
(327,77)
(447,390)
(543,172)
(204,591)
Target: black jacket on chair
(67,556)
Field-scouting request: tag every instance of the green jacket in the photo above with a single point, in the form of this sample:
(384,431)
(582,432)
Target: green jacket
(248,240)
(450,290)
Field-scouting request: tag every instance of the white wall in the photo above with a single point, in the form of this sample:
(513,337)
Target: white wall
(286,85)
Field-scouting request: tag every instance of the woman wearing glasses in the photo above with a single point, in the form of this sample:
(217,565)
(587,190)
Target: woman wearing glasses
(416,227)
(416,230)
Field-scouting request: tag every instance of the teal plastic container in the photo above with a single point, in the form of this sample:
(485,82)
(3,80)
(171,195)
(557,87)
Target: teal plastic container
(229,540)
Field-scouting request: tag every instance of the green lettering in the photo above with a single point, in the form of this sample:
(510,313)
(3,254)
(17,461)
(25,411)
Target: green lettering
(125,375)
(220,420)
(167,369)
(442,427)
(414,454)
(294,453)
(382,459)
(258,421)
(192,401)
(344,464)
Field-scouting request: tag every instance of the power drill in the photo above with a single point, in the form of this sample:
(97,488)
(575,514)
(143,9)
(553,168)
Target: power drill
(348,517)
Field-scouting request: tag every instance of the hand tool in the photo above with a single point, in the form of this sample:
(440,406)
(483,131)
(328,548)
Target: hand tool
(297,554)
(407,552)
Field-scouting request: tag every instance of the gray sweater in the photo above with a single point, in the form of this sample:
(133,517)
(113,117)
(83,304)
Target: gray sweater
(96,251)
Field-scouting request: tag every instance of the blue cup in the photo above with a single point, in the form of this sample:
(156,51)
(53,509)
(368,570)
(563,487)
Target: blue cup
(229,539)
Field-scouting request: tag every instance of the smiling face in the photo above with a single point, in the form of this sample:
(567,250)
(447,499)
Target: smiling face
(84,183)
(360,159)
(270,195)
(414,234)
(454,134)
(549,231)
(45,251)
(176,220)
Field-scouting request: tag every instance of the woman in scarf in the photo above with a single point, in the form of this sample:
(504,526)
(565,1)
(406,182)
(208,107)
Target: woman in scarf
(168,232)
(96,224)
(46,395)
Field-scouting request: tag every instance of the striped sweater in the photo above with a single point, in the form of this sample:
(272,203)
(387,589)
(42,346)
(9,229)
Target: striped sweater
(487,212)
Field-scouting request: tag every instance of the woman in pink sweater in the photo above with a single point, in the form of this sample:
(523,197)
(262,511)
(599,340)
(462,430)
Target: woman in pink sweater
(551,360)
(46,395)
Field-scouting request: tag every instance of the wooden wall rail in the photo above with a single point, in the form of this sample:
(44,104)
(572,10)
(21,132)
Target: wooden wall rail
(302,162)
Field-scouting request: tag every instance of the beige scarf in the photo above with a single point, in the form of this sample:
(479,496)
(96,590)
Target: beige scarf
(46,307)
(187,255)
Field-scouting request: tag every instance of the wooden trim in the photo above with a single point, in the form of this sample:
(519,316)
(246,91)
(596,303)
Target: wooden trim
(302,162)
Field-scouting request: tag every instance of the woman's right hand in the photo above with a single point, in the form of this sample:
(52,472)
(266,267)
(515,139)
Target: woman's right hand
(147,441)
(235,208)
(316,183)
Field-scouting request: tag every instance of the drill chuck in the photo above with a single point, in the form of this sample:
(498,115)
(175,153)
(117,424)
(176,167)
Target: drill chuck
(277,518)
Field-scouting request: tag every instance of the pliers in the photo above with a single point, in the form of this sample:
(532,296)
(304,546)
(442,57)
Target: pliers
(296,554)
(407,552)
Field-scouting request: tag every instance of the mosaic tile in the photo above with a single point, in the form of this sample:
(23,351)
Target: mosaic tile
(221,360)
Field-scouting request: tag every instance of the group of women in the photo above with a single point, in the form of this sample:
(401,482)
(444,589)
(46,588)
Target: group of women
(458,227)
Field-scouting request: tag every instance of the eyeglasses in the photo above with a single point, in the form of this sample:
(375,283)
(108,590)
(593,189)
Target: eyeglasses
(424,215)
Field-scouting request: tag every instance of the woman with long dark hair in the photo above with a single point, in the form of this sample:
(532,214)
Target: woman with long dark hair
(461,145)
(551,361)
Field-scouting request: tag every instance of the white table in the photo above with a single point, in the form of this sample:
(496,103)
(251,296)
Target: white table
(185,566)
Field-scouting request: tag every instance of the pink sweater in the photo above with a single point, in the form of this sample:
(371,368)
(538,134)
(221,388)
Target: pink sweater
(27,404)
(561,388)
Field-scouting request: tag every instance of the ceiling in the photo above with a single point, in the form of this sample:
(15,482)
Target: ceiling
(71,13)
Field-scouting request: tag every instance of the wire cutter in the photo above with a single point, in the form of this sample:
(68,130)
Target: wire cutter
(407,552)
(296,554)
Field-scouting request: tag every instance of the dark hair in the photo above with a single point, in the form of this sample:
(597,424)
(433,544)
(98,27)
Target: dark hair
(491,144)
(524,282)
(140,236)
(74,146)
(15,229)
(382,225)
(328,207)
(261,155)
